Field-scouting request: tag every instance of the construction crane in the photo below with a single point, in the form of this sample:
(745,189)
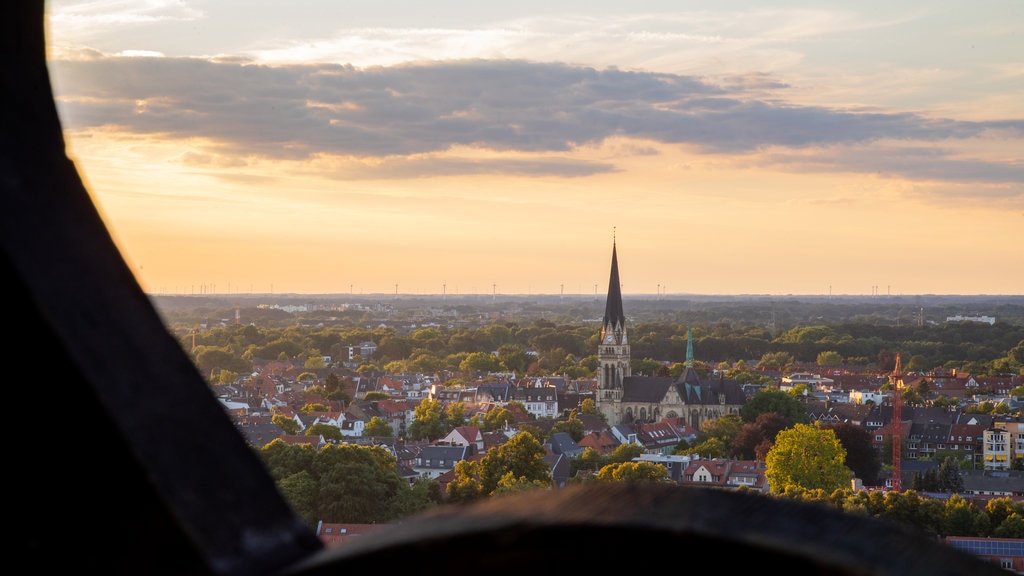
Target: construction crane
(897,424)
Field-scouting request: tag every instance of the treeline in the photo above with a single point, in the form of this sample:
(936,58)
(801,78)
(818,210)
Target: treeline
(543,347)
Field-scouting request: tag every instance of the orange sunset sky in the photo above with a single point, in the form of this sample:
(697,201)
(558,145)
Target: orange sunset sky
(380,147)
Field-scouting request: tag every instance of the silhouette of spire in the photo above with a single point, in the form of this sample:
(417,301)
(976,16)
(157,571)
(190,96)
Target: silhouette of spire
(614,317)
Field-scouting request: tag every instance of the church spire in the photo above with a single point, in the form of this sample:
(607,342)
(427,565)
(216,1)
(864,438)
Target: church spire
(689,346)
(614,317)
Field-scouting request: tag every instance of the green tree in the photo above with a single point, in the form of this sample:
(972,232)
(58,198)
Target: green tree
(807,456)
(497,417)
(421,495)
(634,472)
(521,456)
(775,361)
(356,483)
(962,517)
(514,358)
(376,395)
(774,400)
(625,452)
(300,490)
(480,362)
(916,363)
(378,426)
(288,425)
(329,432)
(709,448)
(429,421)
(949,479)
(572,426)
(830,358)
(1012,527)
(466,487)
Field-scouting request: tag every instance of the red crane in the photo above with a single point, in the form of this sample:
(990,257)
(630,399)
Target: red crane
(897,424)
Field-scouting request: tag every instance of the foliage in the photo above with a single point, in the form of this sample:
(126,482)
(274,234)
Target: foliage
(809,457)
(634,472)
(522,456)
(378,426)
(829,358)
(777,401)
(429,421)
(572,426)
(329,432)
(288,425)
(862,458)
(344,483)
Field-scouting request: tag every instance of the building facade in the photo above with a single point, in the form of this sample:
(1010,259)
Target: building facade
(625,398)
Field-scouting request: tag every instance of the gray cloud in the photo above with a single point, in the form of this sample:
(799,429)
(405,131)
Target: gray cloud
(298,111)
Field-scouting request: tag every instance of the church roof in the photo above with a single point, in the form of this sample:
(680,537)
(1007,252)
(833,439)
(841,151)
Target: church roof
(689,387)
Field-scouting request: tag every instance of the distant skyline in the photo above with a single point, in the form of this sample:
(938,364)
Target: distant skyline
(317,147)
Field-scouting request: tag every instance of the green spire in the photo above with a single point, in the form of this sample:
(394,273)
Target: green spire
(689,347)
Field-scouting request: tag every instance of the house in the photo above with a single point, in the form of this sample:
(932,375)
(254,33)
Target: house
(601,441)
(333,535)
(539,400)
(436,459)
(812,381)
(465,436)
(730,474)
(676,464)
(1007,553)
(560,468)
(562,443)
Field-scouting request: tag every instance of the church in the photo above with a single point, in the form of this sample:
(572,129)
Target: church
(624,398)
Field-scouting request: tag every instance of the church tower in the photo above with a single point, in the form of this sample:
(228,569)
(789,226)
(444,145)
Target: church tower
(613,351)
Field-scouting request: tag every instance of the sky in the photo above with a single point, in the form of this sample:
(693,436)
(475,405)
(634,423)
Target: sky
(454,147)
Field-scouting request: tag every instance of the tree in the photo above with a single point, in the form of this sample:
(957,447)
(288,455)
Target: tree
(514,358)
(807,456)
(466,486)
(775,361)
(522,457)
(480,362)
(497,418)
(332,433)
(861,455)
(916,363)
(754,439)
(625,452)
(774,400)
(377,426)
(288,425)
(634,472)
(830,358)
(948,477)
(356,483)
(335,389)
(572,426)
(429,421)
(300,490)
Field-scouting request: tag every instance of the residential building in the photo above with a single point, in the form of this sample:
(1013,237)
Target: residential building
(998,448)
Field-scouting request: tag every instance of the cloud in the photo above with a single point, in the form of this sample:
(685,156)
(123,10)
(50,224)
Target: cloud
(295,112)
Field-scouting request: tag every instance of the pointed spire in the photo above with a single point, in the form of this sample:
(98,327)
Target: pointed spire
(613,314)
(689,346)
